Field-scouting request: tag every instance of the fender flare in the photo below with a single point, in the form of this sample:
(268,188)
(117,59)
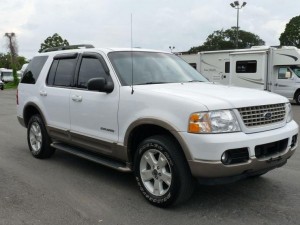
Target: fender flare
(162,124)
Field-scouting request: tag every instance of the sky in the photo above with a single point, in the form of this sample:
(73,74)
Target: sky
(157,24)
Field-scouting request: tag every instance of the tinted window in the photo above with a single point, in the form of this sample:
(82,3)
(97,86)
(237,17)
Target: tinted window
(227,67)
(194,65)
(89,68)
(52,71)
(246,66)
(64,72)
(33,69)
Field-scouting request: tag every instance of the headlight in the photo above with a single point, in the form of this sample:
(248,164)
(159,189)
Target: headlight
(289,112)
(220,121)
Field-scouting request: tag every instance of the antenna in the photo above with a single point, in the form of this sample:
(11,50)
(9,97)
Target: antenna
(131,56)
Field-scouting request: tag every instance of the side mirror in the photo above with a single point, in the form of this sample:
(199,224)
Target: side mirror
(100,84)
(288,75)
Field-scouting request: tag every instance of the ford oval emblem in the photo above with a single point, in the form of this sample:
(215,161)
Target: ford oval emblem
(267,115)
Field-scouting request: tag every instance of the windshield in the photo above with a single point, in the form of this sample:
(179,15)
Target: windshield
(152,68)
(296,70)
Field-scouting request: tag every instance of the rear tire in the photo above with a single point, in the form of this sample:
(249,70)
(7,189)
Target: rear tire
(162,172)
(38,138)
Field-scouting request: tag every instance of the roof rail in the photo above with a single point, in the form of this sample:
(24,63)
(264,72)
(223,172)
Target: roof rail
(59,48)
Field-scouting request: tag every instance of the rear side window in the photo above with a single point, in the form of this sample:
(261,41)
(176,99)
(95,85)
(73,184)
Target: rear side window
(33,69)
(61,72)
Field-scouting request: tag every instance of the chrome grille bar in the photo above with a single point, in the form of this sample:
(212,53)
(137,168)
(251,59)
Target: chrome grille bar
(262,115)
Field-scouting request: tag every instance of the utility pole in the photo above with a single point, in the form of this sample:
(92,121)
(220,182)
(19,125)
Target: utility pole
(12,46)
(236,5)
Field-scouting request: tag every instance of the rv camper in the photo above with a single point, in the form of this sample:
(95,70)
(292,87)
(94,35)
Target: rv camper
(274,69)
(6,75)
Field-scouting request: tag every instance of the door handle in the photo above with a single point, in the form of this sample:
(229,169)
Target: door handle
(76,98)
(43,93)
(276,84)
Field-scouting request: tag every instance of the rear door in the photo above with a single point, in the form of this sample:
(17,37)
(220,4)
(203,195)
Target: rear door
(55,95)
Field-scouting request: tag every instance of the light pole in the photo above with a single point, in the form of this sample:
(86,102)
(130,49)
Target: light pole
(171,48)
(236,5)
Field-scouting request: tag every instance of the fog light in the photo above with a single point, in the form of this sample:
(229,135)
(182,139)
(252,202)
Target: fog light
(224,157)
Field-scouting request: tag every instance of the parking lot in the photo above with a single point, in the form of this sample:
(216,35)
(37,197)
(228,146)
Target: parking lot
(70,190)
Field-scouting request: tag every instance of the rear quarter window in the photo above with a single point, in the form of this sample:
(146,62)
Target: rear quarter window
(33,69)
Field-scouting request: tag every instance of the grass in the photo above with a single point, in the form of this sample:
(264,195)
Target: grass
(10,85)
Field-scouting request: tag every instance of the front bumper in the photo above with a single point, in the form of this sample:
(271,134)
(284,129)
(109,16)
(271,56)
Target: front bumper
(206,151)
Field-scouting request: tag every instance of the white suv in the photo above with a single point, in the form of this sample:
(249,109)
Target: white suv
(151,113)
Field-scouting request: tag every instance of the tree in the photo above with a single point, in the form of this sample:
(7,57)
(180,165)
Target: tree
(13,48)
(223,40)
(5,61)
(53,41)
(291,34)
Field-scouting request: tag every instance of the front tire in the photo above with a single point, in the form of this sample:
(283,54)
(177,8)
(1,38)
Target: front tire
(297,98)
(162,172)
(38,138)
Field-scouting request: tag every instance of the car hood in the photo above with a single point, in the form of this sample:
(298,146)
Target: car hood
(214,96)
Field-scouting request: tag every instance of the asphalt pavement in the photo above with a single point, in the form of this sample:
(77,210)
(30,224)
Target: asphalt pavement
(66,190)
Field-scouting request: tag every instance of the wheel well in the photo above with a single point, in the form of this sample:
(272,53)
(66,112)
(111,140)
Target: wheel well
(296,92)
(28,112)
(142,132)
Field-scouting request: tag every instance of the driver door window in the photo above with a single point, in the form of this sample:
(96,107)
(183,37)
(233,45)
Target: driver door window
(90,68)
(283,73)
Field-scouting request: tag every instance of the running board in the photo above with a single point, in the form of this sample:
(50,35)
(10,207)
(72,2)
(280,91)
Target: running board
(92,157)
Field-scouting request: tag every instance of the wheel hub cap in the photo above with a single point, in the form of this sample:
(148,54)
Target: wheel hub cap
(35,137)
(155,172)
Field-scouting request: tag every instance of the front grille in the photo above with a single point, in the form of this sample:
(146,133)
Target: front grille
(262,115)
(270,148)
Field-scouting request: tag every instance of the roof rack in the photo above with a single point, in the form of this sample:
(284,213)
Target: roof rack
(59,48)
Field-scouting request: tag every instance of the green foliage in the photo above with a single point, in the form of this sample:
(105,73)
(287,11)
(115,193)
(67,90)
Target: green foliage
(291,34)
(6,62)
(223,40)
(53,41)
(11,85)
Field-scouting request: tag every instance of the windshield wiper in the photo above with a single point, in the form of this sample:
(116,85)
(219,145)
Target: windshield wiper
(152,83)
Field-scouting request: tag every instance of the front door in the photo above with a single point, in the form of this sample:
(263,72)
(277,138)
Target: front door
(94,122)
(284,82)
